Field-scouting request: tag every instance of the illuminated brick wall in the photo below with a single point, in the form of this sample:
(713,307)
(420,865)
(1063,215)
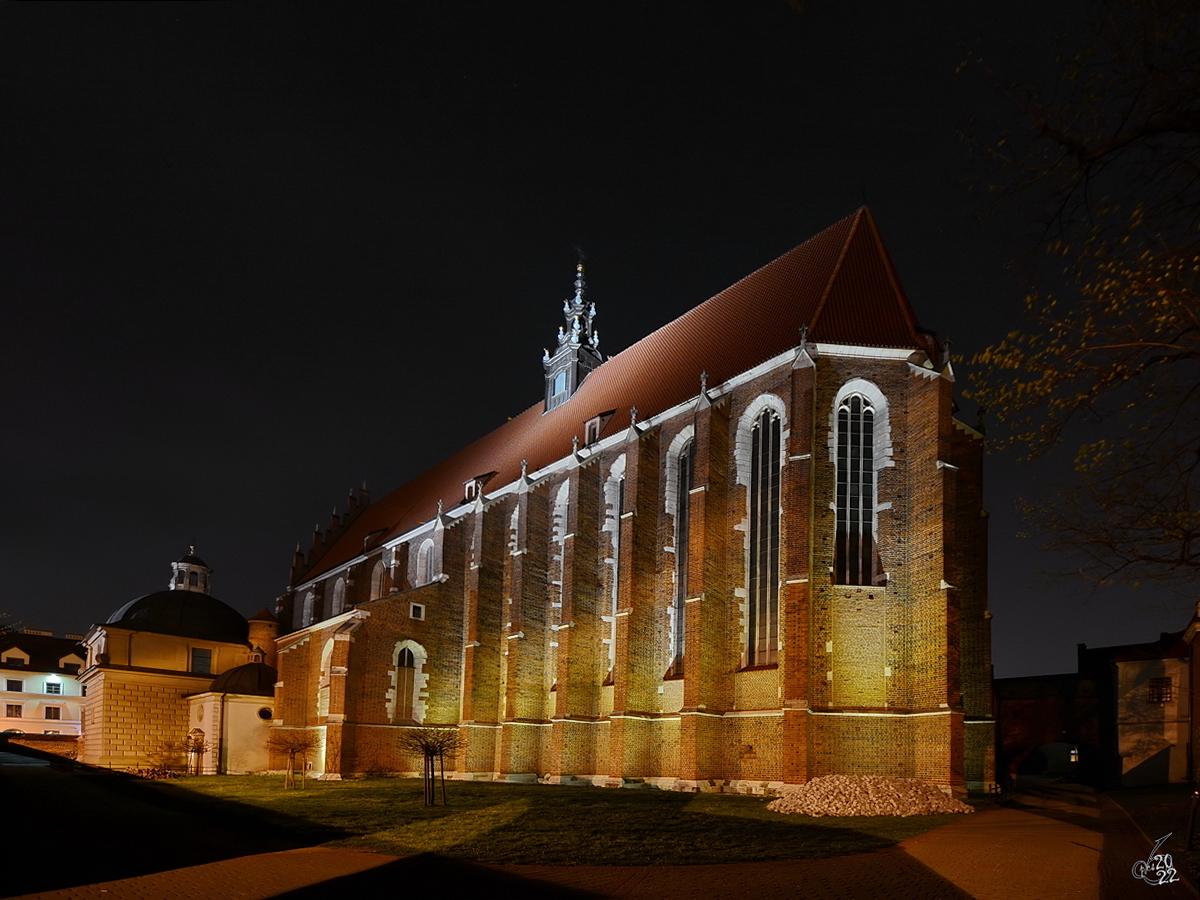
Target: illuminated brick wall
(887,679)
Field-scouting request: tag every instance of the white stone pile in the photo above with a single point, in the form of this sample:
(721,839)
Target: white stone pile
(866,795)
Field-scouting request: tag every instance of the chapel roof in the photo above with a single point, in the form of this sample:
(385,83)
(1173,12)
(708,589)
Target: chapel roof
(840,284)
(252,678)
(183,614)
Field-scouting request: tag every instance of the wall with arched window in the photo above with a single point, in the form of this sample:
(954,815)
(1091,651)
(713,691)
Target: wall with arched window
(680,470)
(860,447)
(614,507)
(339,597)
(406,694)
(761,441)
(427,565)
(378,580)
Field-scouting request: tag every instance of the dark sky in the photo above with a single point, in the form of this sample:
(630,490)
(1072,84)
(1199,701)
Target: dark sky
(253,254)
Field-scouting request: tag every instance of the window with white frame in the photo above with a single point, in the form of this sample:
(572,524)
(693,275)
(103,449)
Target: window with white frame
(339,597)
(684,470)
(762,588)
(14,685)
(378,580)
(12,710)
(53,712)
(425,562)
(54,687)
(404,703)
(861,447)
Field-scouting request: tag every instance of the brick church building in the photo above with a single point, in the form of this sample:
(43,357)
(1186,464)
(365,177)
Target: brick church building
(746,551)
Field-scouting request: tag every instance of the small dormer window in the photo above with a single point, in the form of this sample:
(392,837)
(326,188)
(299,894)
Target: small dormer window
(473,487)
(594,427)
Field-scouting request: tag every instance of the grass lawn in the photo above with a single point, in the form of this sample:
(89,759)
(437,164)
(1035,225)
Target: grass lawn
(542,824)
(1160,810)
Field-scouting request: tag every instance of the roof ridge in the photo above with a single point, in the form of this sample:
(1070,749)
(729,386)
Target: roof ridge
(837,267)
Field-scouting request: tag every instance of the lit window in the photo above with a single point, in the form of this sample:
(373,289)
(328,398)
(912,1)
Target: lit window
(53,712)
(684,470)
(560,384)
(855,555)
(15,685)
(53,687)
(12,710)
(201,661)
(763,570)
(1161,690)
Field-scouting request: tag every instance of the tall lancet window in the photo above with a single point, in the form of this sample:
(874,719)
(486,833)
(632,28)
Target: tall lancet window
(763,587)
(684,472)
(854,552)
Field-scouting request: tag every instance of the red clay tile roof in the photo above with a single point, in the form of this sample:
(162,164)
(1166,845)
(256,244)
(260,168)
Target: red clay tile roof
(840,283)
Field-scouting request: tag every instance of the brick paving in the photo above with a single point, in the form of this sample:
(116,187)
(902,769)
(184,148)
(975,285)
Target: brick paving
(1049,845)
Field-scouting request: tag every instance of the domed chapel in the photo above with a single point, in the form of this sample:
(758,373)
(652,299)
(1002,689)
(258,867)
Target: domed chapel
(744,552)
(177,677)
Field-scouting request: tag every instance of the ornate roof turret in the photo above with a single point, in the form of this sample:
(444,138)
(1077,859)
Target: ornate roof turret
(190,573)
(578,351)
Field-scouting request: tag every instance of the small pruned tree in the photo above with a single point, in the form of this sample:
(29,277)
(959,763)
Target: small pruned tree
(297,745)
(433,743)
(195,746)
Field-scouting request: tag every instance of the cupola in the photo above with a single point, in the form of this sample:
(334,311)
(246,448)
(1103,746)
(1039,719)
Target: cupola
(578,350)
(190,573)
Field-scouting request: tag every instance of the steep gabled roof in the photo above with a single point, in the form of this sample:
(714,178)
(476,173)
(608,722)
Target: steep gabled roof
(840,283)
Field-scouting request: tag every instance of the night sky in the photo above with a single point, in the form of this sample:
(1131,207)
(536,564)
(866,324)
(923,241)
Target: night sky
(255,254)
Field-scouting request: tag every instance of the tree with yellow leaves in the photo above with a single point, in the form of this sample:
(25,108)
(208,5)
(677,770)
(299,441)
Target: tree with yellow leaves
(1110,363)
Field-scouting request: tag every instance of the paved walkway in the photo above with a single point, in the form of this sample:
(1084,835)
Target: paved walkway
(1050,845)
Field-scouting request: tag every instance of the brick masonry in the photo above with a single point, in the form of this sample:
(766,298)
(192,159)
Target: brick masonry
(546,637)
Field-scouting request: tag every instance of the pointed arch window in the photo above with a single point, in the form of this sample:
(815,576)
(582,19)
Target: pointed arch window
(684,471)
(339,597)
(763,567)
(378,580)
(425,563)
(856,556)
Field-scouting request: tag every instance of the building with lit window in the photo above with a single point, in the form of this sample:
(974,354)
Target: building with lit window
(744,552)
(40,696)
(161,680)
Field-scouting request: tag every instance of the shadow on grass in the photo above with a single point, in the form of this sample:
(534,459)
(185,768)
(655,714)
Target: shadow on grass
(97,826)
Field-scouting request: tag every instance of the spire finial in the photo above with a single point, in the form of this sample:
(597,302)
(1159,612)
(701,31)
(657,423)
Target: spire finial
(632,416)
(703,381)
(439,508)
(574,443)
(524,468)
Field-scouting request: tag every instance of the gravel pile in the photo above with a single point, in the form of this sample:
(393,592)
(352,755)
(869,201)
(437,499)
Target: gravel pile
(866,795)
